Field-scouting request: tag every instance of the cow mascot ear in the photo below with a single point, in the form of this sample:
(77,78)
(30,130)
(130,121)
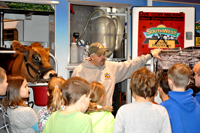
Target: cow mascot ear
(47,49)
(19,48)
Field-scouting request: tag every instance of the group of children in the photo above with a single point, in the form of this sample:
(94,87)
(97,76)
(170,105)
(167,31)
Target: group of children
(73,105)
(76,106)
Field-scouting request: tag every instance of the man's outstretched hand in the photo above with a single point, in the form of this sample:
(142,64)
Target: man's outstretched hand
(156,53)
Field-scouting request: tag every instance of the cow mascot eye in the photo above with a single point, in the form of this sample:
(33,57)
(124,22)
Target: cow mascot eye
(36,58)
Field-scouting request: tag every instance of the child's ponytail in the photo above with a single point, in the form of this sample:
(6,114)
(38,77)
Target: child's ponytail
(57,99)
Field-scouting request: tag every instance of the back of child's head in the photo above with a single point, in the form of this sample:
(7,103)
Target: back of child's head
(144,83)
(180,74)
(2,74)
(164,84)
(55,98)
(196,68)
(97,93)
(98,98)
(13,92)
(73,89)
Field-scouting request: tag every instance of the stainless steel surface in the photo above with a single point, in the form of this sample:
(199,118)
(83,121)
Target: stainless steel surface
(116,14)
(104,31)
(149,2)
(1,28)
(86,25)
(128,56)
(55,62)
(119,46)
(128,92)
(78,21)
(100,4)
(7,52)
(36,84)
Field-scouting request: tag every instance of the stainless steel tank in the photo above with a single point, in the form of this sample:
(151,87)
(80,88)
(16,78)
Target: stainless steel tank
(104,31)
(119,51)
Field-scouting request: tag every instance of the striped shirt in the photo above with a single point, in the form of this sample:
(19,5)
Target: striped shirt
(4,121)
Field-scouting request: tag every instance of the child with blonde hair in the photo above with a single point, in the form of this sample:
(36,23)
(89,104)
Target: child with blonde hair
(54,103)
(182,107)
(76,93)
(98,111)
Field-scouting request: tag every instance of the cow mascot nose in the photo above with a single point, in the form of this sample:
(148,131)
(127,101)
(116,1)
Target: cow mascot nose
(51,75)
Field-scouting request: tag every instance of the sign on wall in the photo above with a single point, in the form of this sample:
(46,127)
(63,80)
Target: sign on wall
(197,33)
(160,30)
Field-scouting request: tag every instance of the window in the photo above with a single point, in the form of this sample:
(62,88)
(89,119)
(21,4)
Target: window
(10,34)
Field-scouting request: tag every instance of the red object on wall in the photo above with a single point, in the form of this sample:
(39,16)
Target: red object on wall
(71,9)
(40,95)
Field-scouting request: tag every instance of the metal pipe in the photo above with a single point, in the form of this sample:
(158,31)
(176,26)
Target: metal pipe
(149,2)
(128,56)
(7,51)
(83,32)
(1,28)
(116,14)
(55,62)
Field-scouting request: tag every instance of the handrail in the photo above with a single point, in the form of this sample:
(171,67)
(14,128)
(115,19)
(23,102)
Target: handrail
(55,62)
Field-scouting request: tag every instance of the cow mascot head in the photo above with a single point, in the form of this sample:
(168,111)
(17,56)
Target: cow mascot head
(32,62)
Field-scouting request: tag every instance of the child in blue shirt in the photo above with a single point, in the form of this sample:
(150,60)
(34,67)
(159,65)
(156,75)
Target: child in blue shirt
(182,107)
